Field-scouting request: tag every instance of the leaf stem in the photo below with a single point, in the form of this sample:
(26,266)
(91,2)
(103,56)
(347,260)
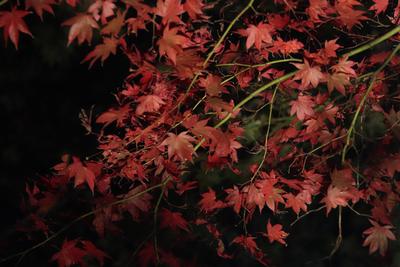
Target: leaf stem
(83,216)
(364,99)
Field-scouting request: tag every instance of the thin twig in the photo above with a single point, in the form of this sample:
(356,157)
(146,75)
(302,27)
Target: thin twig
(66,227)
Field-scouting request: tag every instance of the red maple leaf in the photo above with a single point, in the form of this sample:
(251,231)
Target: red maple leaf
(379,6)
(114,26)
(13,24)
(171,43)
(377,237)
(345,66)
(82,173)
(286,47)
(212,84)
(257,35)
(247,242)
(336,197)
(209,201)
(272,194)
(302,107)
(113,114)
(194,8)
(138,204)
(297,203)
(146,256)
(149,103)
(102,51)
(72,2)
(169,10)
(338,81)
(234,198)
(94,252)
(254,197)
(179,145)
(348,15)
(40,5)
(275,233)
(172,220)
(107,9)
(391,165)
(308,75)
(81,28)
(69,254)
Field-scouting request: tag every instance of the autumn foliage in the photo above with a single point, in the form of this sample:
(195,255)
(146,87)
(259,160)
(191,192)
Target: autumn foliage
(275,94)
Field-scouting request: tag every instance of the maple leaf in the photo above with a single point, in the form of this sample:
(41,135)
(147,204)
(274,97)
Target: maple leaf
(257,35)
(107,9)
(149,103)
(72,2)
(295,202)
(302,107)
(114,26)
(348,15)
(194,8)
(13,23)
(338,81)
(173,220)
(93,251)
(345,66)
(391,165)
(318,10)
(146,256)
(69,254)
(82,173)
(171,43)
(40,5)
(255,197)
(138,204)
(247,242)
(378,237)
(272,195)
(183,187)
(188,63)
(81,28)
(102,51)
(336,197)
(209,201)
(212,83)
(113,114)
(179,145)
(330,48)
(342,179)
(308,75)
(275,233)
(287,47)
(169,10)
(234,198)
(379,6)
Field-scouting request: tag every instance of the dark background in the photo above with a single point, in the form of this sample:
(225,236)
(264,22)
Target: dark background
(43,87)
